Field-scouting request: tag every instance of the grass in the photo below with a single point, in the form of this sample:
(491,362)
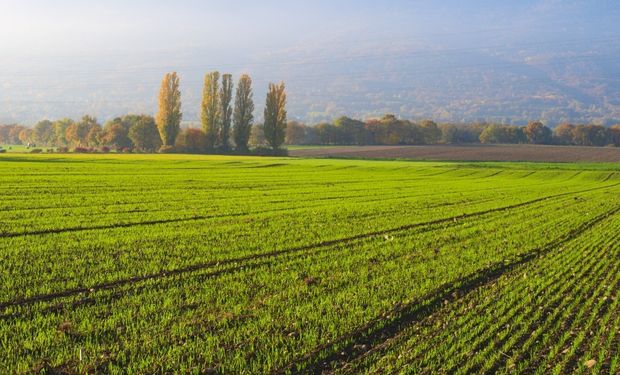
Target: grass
(15,148)
(192,264)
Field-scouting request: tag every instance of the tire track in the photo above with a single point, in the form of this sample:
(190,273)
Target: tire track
(388,325)
(508,312)
(271,254)
(204,217)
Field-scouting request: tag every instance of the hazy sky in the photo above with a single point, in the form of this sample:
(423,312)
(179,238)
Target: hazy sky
(117,50)
(35,27)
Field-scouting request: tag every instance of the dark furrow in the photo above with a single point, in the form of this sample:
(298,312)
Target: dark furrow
(117,294)
(204,217)
(345,348)
(515,310)
(571,364)
(550,316)
(201,266)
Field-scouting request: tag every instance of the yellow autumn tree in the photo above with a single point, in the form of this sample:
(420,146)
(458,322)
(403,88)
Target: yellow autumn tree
(210,109)
(275,115)
(169,114)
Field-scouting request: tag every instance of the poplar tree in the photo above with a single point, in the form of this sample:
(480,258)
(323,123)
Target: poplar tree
(210,109)
(169,115)
(275,115)
(244,112)
(225,111)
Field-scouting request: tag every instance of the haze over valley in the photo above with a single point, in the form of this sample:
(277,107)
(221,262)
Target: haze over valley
(509,62)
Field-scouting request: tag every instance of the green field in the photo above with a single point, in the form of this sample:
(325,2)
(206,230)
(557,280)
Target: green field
(206,264)
(15,148)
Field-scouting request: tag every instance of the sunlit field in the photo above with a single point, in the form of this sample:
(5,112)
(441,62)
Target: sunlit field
(169,263)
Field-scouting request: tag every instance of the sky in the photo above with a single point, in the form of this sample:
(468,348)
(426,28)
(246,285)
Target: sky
(72,27)
(86,41)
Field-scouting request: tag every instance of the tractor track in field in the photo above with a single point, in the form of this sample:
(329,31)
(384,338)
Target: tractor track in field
(196,217)
(87,300)
(242,267)
(206,217)
(514,309)
(551,316)
(344,349)
(248,258)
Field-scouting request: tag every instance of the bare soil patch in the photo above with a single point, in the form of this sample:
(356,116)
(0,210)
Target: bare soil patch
(537,153)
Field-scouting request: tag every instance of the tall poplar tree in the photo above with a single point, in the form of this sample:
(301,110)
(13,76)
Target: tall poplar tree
(225,111)
(169,115)
(244,112)
(210,109)
(275,115)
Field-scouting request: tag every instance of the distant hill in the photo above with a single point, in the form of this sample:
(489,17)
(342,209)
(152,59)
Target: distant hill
(508,62)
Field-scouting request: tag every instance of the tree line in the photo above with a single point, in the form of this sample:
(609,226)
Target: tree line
(390,130)
(226,126)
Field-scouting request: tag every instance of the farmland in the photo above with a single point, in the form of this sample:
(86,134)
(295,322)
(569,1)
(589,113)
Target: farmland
(473,152)
(214,264)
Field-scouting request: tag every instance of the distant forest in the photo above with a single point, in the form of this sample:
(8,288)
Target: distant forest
(138,133)
(390,130)
(228,127)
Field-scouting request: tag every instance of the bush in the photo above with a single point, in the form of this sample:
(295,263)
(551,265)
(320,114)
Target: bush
(81,150)
(167,150)
(63,149)
(265,151)
(2,151)
(105,149)
(50,151)
(126,150)
(36,151)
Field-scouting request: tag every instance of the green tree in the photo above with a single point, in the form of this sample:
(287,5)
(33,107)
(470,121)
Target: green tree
(94,136)
(25,136)
(191,141)
(225,111)
(351,131)
(116,134)
(295,133)
(449,134)
(563,134)
(614,134)
(494,134)
(144,135)
(169,115)
(13,136)
(257,137)
(210,109)
(537,133)
(60,131)
(275,115)
(43,133)
(243,114)
(430,132)
(77,134)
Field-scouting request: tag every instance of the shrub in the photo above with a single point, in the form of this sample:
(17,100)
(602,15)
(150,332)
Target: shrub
(36,151)
(265,151)
(191,141)
(81,150)
(105,149)
(126,150)
(63,149)
(2,151)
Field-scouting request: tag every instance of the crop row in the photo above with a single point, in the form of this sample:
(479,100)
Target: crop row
(275,310)
(557,314)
